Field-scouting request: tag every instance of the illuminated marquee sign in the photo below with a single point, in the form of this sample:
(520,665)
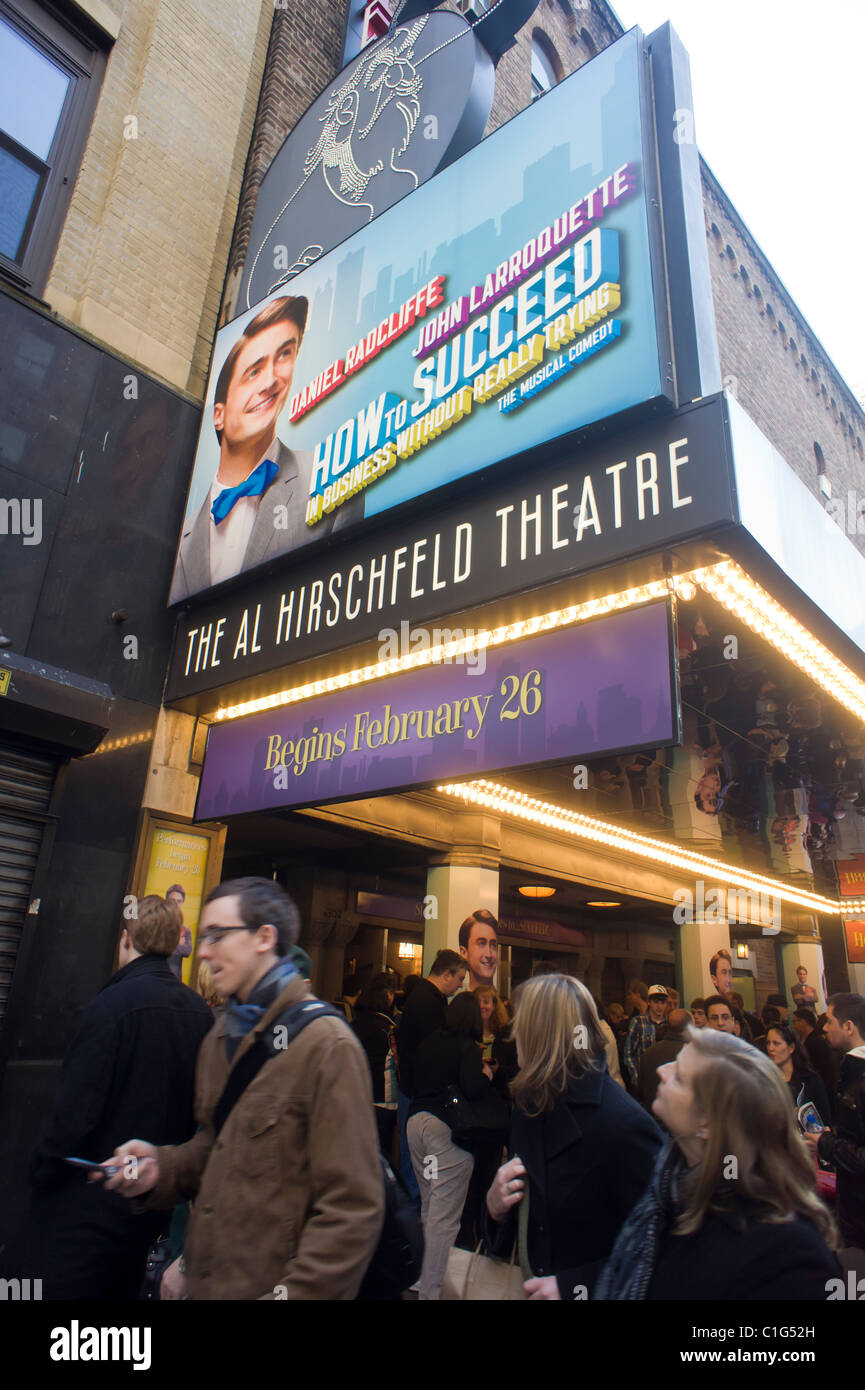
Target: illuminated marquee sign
(661,482)
(513,299)
(606,686)
(851,882)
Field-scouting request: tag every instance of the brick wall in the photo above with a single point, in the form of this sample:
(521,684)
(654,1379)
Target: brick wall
(142,257)
(773,362)
(303,57)
(572,31)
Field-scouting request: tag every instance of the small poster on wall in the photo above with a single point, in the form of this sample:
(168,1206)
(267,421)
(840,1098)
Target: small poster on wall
(180,865)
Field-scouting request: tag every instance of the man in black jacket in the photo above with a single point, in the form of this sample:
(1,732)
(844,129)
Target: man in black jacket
(820,1055)
(130,1070)
(844,1146)
(424,1012)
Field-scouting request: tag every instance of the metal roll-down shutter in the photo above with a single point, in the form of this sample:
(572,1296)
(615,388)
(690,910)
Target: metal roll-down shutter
(26,784)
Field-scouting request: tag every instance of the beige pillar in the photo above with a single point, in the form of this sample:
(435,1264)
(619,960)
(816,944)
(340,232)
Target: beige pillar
(698,942)
(454,891)
(857,978)
(807,953)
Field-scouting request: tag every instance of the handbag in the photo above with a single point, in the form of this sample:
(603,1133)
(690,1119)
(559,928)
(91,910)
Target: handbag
(471,1121)
(459,1116)
(475,1278)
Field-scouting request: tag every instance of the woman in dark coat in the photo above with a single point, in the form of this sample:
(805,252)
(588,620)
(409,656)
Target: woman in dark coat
(785,1050)
(449,1061)
(732,1212)
(583,1149)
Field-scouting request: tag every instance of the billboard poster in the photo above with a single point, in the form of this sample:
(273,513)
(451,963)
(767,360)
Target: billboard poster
(177,867)
(601,687)
(854,936)
(507,302)
(851,884)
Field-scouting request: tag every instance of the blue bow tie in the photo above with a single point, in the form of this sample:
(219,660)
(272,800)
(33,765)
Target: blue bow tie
(257,483)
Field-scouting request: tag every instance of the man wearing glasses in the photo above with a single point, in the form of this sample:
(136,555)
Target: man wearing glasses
(284,1169)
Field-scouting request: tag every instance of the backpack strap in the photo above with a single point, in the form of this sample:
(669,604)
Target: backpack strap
(270,1043)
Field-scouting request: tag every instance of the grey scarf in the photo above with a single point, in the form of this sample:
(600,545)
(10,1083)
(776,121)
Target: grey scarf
(629,1269)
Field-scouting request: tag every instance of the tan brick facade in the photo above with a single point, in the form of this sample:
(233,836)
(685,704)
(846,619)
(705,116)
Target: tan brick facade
(773,363)
(142,257)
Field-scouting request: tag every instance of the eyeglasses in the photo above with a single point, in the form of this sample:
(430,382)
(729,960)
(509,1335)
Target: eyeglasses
(214,935)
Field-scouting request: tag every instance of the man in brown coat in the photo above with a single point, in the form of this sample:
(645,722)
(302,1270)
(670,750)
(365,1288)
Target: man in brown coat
(288,1199)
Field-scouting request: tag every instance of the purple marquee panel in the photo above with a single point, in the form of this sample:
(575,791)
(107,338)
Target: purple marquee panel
(574,693)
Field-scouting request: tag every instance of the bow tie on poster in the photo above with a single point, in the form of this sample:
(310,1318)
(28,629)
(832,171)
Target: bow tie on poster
(257,483)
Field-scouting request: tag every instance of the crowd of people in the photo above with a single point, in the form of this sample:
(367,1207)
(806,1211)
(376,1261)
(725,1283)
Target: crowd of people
(244,1144)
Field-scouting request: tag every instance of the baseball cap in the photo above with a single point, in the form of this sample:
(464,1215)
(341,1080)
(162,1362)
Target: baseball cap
(658,989)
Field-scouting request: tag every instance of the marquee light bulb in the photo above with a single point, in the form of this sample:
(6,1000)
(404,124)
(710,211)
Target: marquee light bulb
(509,801)
(725,581)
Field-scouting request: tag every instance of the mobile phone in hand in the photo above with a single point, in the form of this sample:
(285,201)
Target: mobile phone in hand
(108,1169)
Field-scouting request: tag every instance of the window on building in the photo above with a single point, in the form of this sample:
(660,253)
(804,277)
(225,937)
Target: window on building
(546,69)
(823,482)
(49,76)
(589,42)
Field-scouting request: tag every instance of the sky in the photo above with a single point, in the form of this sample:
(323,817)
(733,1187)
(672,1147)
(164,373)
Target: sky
(778,90)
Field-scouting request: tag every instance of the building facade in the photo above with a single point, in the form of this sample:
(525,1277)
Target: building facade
(129,256)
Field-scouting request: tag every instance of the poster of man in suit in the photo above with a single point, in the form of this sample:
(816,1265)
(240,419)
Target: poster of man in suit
(255,506)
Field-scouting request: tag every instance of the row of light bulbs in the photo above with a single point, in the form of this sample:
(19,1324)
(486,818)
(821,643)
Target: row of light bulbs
(732,587)
(127,742)
(463,646)
(495,797)
(725,581)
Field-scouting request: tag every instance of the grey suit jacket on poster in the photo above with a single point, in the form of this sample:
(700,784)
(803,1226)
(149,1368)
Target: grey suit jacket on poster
(289,489)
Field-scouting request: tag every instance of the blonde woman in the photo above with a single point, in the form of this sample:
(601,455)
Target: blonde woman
(731,1211)
(583,1149)
(498,1049)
